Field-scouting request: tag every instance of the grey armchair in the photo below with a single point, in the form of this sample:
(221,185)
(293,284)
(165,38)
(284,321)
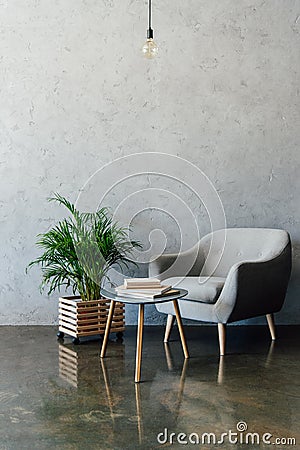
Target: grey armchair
(243,278)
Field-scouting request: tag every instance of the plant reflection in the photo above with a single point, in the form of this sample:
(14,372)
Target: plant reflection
(173,395)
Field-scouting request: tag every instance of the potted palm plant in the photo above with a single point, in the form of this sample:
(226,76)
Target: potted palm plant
(77,253)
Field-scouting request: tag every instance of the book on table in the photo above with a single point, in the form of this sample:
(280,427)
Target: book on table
(151,291)
(145,288)
(140,295)
(142,283)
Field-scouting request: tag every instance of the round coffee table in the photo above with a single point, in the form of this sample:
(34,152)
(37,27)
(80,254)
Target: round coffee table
(142,302)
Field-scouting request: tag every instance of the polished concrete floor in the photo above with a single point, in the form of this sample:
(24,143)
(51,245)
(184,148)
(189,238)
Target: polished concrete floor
(60,396)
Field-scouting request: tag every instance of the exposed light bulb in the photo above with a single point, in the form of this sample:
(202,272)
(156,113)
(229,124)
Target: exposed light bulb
(150,49)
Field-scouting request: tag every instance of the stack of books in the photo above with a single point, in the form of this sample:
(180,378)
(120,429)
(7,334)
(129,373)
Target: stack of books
(145,288)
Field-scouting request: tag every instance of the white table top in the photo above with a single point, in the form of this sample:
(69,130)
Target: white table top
(111,295)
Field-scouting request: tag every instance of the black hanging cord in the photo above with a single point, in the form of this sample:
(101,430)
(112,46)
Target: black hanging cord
(150,31)
(150,14)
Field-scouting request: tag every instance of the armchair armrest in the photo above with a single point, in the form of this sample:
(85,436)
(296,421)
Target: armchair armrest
(254,288)
(188,263)
(161,264)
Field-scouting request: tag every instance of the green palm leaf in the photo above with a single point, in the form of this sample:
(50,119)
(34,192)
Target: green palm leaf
(79,250)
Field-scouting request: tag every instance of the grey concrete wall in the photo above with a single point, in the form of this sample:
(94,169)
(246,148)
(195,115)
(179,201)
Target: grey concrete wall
(76,93)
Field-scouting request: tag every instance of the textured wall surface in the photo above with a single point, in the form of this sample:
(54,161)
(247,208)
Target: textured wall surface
(76,93)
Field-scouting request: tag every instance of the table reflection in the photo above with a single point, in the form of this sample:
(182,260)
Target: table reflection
(173,394)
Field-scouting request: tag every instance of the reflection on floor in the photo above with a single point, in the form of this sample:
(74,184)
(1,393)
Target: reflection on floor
(60,396)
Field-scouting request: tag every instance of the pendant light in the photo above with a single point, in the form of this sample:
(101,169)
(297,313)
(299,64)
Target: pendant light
(150,49)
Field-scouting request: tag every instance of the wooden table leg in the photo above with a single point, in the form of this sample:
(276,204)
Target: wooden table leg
(139,344)
(107,328)
(169,326)
(181,330)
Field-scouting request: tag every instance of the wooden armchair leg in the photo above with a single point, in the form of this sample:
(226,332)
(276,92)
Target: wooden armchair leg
(169,325)
(222,337)
(271,324)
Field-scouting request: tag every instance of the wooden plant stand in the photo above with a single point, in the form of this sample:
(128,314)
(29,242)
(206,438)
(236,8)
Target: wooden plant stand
(78,318)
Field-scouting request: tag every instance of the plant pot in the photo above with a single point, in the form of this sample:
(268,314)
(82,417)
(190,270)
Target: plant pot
(79,318)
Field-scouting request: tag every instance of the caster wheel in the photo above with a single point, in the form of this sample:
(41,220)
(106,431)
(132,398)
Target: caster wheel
(119,336)
(76,341)
(60,335)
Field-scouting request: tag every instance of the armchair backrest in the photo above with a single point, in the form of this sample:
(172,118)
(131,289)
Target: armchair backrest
(240,244)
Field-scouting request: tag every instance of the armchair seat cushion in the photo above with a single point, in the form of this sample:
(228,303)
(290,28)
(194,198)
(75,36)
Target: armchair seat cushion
(200,289)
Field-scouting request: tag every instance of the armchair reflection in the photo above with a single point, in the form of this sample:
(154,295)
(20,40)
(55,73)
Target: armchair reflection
(166,401)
